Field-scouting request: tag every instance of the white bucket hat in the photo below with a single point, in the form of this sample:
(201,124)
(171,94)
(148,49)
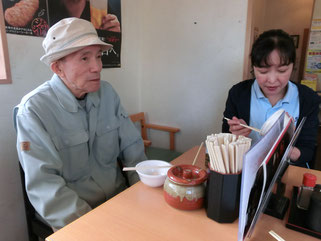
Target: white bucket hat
(67,36)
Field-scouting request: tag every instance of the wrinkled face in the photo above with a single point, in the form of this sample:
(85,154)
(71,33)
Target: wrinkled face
(80,71)
(273,79)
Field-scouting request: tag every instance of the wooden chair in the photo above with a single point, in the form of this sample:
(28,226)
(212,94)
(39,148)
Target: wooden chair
(156,153)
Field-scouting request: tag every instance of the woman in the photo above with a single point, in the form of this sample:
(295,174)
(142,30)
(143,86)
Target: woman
(253,101)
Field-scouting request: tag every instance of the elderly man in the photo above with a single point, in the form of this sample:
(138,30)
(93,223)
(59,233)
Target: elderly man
(72,129)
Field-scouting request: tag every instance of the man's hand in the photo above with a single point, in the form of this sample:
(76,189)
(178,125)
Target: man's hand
(236,128)
(110,22)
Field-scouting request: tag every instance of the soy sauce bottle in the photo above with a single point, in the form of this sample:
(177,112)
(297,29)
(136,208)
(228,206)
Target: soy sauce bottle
(305,191)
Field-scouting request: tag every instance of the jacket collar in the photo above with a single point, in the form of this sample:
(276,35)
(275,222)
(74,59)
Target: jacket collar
(286,99)
(67,100)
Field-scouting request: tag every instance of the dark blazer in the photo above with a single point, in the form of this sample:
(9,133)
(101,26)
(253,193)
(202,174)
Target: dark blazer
(238,104)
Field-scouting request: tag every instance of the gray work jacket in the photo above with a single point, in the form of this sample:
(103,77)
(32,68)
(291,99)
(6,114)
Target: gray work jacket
(69,151)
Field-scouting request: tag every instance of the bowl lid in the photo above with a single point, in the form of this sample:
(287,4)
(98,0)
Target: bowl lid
(187,175)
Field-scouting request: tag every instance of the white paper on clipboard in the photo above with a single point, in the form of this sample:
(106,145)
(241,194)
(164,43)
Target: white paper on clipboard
(256,184)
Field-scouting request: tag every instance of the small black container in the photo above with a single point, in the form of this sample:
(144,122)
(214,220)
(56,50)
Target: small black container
(314,212)
(223,196)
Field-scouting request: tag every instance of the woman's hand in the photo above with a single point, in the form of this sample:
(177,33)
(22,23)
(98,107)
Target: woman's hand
(236,128)
(110,23)
(295,154)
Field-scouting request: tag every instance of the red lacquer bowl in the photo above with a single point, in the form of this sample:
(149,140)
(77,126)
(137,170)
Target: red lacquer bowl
(184,187)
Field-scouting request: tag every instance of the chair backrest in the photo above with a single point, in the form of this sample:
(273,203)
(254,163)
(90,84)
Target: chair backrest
(140,117)
(156,153)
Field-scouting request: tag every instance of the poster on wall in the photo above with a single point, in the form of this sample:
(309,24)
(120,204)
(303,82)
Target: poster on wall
(26,17)
(316,24)
(314,61)
(34,17)
(105,15)
(315,40)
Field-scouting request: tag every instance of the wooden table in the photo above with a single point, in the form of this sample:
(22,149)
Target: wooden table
(141,213)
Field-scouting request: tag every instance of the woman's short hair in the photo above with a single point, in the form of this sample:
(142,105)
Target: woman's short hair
(267,42)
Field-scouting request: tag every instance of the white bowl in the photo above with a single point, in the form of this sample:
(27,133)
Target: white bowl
(153,177)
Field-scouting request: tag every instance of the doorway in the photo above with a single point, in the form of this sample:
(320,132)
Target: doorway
(293,16)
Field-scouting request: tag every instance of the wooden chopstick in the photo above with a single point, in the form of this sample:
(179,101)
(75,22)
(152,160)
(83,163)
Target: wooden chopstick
(198,152)
(144,168)
(227,157)
(246,126)
(276,236)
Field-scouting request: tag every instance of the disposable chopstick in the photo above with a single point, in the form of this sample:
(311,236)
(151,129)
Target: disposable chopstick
(276,236)
(220,139)
(245,147)
(242,151)
(237,157)
(219,158)
(211,154)
(198,153)
(231,150)
(213,158)
(246,126)
(224,151)
(144,168)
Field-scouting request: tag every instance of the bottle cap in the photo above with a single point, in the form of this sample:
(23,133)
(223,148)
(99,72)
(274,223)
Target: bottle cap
(309,180)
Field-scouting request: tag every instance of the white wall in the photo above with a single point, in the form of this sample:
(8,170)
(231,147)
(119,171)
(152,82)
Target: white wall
(192,54)
(176,71)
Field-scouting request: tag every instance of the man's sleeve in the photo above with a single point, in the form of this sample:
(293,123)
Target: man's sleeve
(131,143)
(57,204)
